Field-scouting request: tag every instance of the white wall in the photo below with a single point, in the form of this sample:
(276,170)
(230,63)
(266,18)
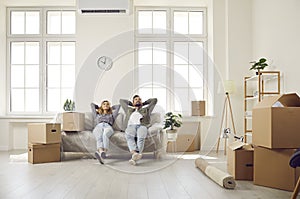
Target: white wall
(276,30)
(229,33)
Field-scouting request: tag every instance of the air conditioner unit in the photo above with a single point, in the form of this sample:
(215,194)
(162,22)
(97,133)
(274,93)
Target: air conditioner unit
(104,6)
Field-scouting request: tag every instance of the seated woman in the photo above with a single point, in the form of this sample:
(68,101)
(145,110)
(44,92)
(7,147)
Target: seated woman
(105,116)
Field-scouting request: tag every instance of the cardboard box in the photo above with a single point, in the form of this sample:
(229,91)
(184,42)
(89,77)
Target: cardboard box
(73,121)
(184,143)
(271,168)
(198,108)
(42,153)
(240,161)
(44,133)
(275,122)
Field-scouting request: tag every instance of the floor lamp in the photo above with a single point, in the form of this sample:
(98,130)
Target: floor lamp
(227,115)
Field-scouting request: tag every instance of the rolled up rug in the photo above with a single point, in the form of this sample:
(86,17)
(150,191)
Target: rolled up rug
(220,177)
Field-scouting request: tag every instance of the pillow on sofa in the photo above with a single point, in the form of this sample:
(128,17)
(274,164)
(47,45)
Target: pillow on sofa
(118,124)
(89,121)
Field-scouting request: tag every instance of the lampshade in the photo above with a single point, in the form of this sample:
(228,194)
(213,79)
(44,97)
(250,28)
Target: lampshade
(229,86)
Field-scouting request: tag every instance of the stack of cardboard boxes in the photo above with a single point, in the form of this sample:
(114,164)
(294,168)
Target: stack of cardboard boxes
(276,136)
(44,138)
(44,142)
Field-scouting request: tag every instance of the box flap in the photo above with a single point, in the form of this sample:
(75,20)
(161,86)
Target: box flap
(285,100)
(236,145)
(290,100)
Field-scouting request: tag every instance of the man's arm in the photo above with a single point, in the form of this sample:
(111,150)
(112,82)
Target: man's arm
(151,104)
(124,103)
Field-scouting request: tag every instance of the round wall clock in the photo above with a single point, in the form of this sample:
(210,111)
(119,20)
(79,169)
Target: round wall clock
(104,63)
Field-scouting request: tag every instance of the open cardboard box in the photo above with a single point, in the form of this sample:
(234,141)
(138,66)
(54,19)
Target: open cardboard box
(276,122)
(240,161)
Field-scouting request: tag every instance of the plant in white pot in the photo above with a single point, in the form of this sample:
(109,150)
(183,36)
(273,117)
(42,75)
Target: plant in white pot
(172,121)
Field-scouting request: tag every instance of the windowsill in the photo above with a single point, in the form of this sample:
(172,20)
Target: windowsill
(21,117)
(196,118)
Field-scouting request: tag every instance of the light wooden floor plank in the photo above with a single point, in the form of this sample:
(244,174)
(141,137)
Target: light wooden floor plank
(86,178)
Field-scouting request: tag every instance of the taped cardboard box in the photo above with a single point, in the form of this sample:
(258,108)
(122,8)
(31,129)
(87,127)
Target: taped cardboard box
(198,108)
(73,121)
(45,133)
(240,161)
(275,122)
(271,168)
(43,153)
(184,143)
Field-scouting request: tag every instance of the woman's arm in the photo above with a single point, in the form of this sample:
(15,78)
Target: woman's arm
(94,107)
(115,110)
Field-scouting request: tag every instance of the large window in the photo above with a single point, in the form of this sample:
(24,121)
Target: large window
(41,57)
(171,62)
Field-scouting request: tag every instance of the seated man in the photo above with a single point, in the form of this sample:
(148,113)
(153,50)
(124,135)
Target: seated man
(137,120)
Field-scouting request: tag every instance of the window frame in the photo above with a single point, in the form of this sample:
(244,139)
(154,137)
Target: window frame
(170,38)
(42,38)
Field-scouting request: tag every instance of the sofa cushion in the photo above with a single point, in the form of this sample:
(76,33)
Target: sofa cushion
(118,124)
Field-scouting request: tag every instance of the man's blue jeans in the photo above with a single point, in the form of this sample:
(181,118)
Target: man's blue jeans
(138,131)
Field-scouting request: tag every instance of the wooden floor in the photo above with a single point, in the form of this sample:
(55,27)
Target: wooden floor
(86,178)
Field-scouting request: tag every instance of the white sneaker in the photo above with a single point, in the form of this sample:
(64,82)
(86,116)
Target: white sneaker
(132,162)
(136,156)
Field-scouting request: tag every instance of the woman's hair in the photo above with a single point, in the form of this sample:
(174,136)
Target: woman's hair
(101,111)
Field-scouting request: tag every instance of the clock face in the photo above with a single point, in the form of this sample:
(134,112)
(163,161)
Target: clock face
(105,63)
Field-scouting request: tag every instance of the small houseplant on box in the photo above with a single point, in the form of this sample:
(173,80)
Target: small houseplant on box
(259,65)
(172,121)
(69,105)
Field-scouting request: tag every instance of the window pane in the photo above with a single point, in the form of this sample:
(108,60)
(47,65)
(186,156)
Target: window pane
(181,75)
(68,22)
(196,53)
(196,23)
(53,53)
(32,51)
(17,22)
(159,22)
(17,53)
(145,22)
(33,22)
(68,76)
(159,53)
(32,76)
(68,53)
(181,100)
(145,53)
(145,93)
(17,100)
(196,76)
(65,94)
(17,76)
(196,94)
(181,22)
(32,100)
(145,74)
(160,74)
(53,76)
(161,95)
(53,22)
(53,100)
(181,50)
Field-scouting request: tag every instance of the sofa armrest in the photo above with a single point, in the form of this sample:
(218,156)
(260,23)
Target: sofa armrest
(154,129)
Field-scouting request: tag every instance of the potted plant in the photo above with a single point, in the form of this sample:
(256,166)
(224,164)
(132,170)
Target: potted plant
(259,65)
(172,121)
(69,105)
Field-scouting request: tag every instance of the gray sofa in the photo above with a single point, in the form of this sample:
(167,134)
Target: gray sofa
(85,142)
